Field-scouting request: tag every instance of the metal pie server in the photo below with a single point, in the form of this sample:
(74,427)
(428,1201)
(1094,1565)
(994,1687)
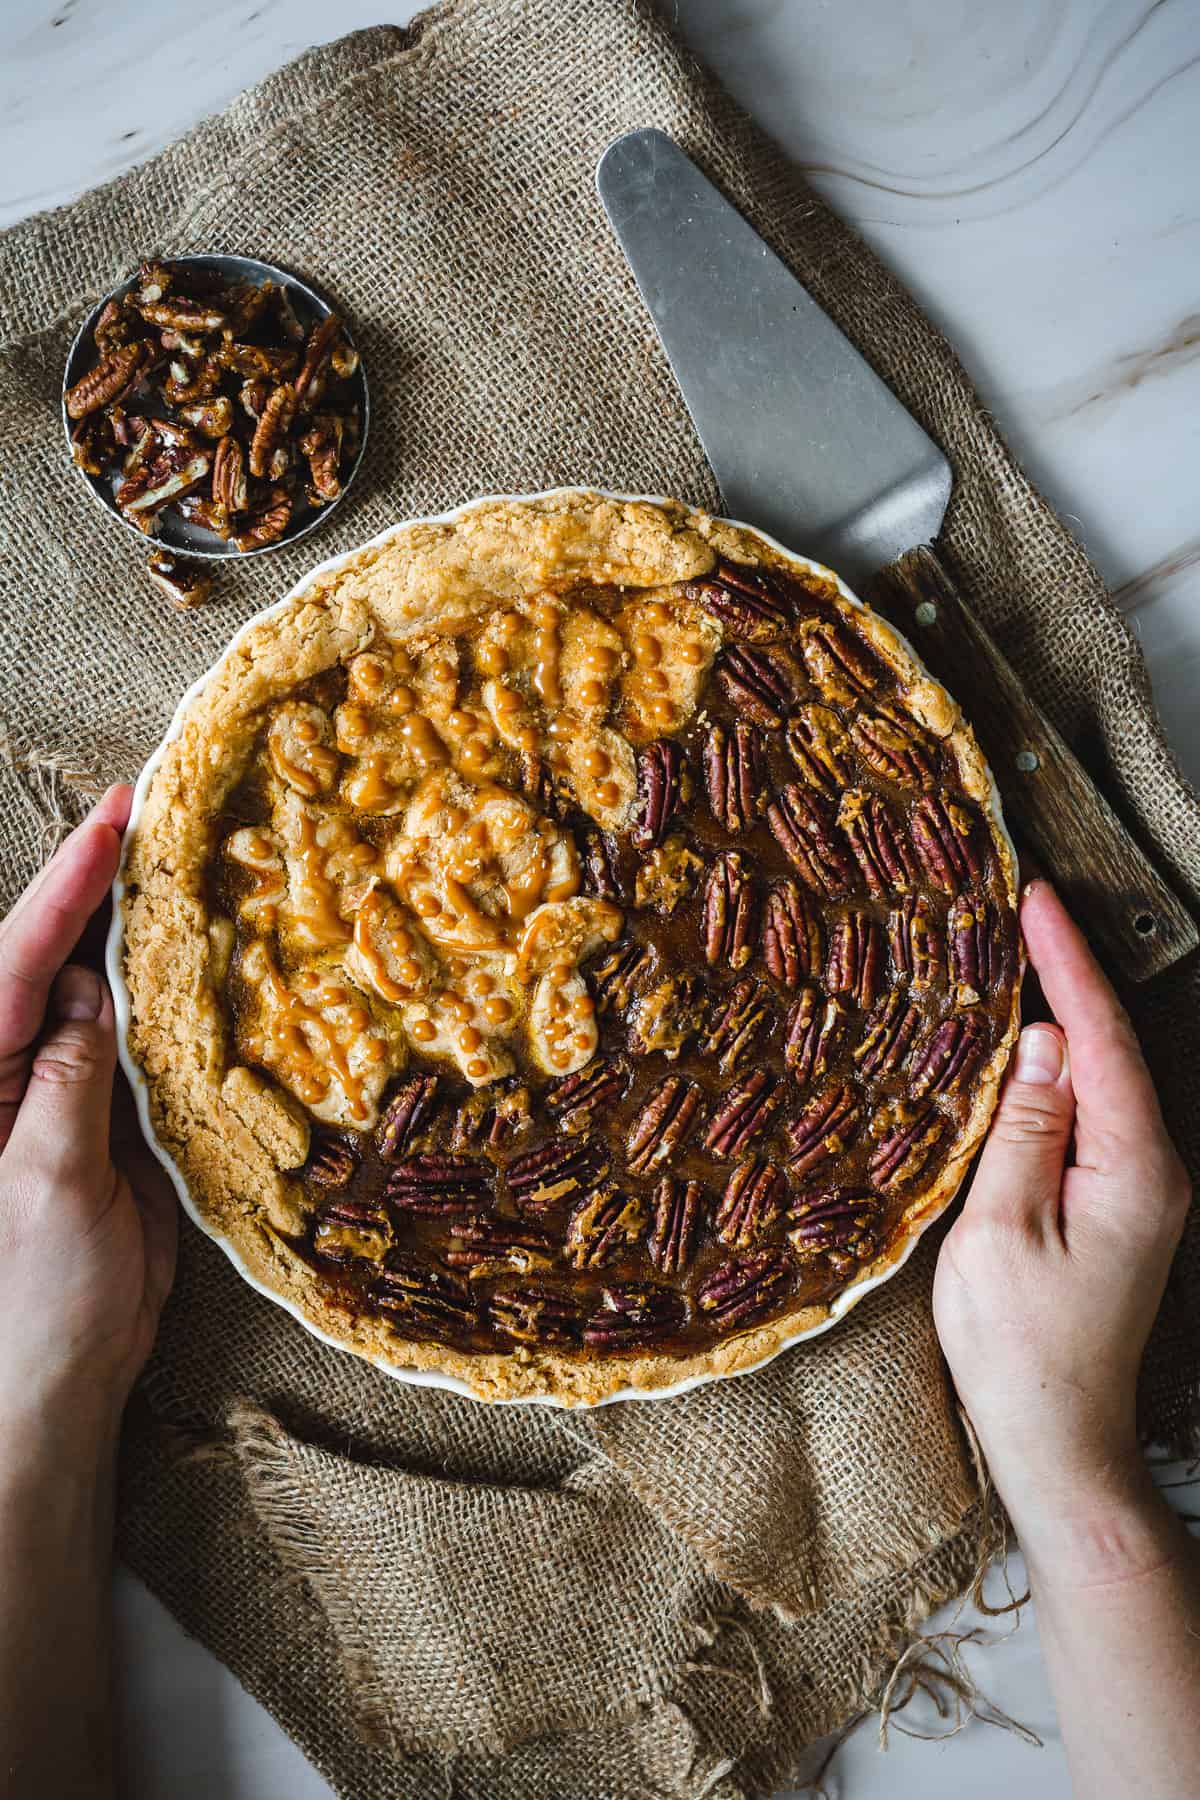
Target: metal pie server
(808,444)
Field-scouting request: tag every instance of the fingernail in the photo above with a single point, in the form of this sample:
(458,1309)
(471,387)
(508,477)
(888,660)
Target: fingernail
(78,994)
(1039,1055)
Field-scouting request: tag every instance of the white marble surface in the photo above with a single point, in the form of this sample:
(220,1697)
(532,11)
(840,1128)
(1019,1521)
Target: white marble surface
(1029,170)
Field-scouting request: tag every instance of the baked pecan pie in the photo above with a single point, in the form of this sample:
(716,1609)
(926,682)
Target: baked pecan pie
(571,946)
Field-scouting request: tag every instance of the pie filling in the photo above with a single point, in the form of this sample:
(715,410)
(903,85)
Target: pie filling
(632,955)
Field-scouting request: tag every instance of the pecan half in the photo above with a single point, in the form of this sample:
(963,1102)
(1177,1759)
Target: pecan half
(245,303)
(253,397)
(735,774)
(815,1028)
(186,384)
(535,1315)
(730,912)
(614,979)
(760,683)
(666,1017)
(666,876)
(180,314)
(172,472)
(791,934)
(855,962)
(754,1199)
(343,359)
(322,445)
(632,1317)
(94,444)
(596,864)
(880,847)
(436,1185)
(945,834)
(185,584)
(746,601)
(888,1034)
(601,1226)
(837,1222)
(664,1125)
(266,522)
(211,418)
(804,828)
(153,280)
(976,949)
(111,376)
(661,784)
(285,312)
(199,511)
(918,942)
(351,1231)
(495,1246)
(893,749)
(552,1174)
(579,1100)
(947,1055)
(229,489)
(747,1286)
(271,428)
(117,325)
(839,664)
(331,1163)
(907,1137)
(743,1114)
(737,1021)
(310,381)
(407,1113)
(537,784)
(825,1128)
(817,743)
(492,1116)
(678,1208)
(256,361)
(423,1301)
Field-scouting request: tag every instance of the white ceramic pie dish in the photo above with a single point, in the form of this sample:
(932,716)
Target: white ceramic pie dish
(114,959)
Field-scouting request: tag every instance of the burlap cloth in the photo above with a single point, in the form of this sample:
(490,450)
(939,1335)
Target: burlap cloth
(658,1599)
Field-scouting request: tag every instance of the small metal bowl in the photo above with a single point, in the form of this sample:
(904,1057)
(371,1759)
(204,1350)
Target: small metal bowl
(174,532)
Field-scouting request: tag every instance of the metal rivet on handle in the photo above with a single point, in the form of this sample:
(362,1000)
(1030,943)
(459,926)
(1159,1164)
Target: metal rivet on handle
(926,613)
(1027,761)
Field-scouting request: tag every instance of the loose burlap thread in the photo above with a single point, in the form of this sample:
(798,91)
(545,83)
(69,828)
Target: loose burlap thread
(430,1595)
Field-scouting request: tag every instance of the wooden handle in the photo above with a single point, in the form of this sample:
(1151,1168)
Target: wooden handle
(1049,798)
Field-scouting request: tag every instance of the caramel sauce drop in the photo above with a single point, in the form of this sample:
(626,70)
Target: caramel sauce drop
(369,789)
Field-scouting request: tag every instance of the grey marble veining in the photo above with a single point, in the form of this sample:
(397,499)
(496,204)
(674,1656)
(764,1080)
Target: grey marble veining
(1029,169)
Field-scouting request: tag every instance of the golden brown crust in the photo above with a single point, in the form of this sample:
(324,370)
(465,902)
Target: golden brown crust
(232,1135)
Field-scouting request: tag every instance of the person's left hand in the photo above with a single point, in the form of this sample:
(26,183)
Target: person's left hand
(87,1250)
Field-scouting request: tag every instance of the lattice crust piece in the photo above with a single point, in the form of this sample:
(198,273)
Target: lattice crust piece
(572,946)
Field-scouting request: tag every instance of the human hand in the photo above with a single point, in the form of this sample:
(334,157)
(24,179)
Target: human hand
(1048,1283)
(87,1250)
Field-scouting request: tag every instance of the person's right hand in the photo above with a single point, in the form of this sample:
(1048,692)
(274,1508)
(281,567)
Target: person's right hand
(1050,1279)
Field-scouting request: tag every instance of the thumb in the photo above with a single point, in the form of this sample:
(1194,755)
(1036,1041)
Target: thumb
(1021,1170)
(62,1124)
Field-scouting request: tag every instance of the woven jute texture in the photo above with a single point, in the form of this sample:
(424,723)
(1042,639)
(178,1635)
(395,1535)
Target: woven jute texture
(430,1595)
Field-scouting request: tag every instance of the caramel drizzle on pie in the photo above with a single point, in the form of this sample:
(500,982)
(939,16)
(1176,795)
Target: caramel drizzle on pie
(633,955)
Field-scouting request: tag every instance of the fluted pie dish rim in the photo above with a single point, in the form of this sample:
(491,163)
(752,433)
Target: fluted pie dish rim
(543,1376)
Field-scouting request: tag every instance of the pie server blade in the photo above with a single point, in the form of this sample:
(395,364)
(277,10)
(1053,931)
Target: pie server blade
(804,438)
